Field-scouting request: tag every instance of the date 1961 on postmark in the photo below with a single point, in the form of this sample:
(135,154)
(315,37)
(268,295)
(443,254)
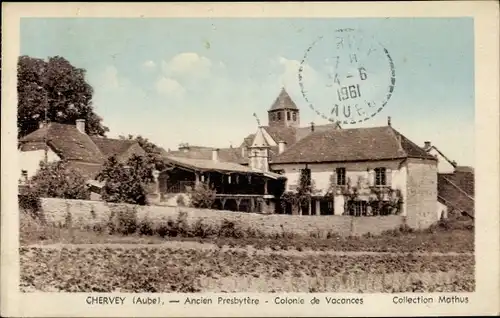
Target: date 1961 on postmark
(347,76)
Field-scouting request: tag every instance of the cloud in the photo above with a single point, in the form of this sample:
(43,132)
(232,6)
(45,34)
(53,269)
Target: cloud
(291,69)
(149,65)
(188,65)
(169,87)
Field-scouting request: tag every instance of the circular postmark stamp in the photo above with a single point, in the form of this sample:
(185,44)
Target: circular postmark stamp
(347,76)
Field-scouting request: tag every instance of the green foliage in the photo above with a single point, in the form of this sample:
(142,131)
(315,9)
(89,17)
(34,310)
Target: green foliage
(180,200)
(126,183)
(123,220)
(202,196)
(303,193)
(57,86)
(30,203)
(385,201)
(154,153)
(58,180)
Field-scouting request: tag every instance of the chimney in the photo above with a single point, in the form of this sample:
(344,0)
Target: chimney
(215,154)
(281,146)
(80,125)
(427,144)
(312,126)
(389,121)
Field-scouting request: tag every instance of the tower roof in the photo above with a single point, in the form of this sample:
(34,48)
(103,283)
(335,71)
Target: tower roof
(260,139)
(283,101)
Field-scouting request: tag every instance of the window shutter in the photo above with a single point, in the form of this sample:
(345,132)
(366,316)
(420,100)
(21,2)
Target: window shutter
(371,177)
(388,177)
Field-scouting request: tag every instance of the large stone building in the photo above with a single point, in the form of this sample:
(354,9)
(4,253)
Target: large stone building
(351,169)
(356,171)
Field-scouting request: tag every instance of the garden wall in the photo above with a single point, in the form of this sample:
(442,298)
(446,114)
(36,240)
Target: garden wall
(85,213)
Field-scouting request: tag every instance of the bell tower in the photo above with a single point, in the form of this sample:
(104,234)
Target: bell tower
(283,112)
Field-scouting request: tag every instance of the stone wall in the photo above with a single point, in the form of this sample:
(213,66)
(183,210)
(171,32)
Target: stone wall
(421,198)
(85,213)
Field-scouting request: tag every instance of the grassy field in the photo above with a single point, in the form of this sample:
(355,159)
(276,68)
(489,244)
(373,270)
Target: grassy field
(62,259)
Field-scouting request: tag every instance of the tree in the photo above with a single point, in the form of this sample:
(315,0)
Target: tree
(57,87)
(126,183)
(303,193)
(154,153)
(57,180)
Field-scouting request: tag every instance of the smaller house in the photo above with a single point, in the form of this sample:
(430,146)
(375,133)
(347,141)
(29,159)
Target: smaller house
(84,153)
(455,184)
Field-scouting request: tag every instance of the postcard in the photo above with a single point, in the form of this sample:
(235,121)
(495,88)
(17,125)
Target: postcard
(263,159)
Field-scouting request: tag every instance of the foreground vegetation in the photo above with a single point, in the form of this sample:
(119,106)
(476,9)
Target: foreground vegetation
(108,260)
(158,269)
(455,236)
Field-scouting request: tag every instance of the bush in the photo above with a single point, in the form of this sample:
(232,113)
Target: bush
(202,230)
(127,221)
(126,183)
(146,227)
(202,196)
(180,200)
(230,229)
(123,220)
(58,180)
(30,203)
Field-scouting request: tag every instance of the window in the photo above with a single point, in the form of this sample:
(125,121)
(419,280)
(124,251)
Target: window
(279,116)
(294,115)
(380,177)
(287,115)
(340,176)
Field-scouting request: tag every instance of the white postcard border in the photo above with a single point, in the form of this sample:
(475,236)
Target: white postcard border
(483,301)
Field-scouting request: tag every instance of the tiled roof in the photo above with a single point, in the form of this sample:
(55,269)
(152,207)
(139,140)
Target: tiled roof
(87,170)
(464,180)
(219,166)
(283,101)
(290,135)
(260,139)
(225,154)
(67,141)
(333,145)
(303,132)
(112,147)
(84,153)
(454,196)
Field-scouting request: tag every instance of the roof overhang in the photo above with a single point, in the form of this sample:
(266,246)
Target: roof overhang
(220,167)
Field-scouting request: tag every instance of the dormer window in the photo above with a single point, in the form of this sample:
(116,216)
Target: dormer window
(279,116)
(294,116)
(288,116)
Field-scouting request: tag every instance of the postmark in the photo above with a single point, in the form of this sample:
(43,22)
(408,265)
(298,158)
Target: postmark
(347,76)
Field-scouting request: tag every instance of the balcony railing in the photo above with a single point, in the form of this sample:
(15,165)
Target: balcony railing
(181,187)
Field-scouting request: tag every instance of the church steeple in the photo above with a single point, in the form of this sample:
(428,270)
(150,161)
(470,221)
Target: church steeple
(283,111)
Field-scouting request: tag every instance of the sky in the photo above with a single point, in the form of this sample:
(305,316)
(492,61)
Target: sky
(200,80)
